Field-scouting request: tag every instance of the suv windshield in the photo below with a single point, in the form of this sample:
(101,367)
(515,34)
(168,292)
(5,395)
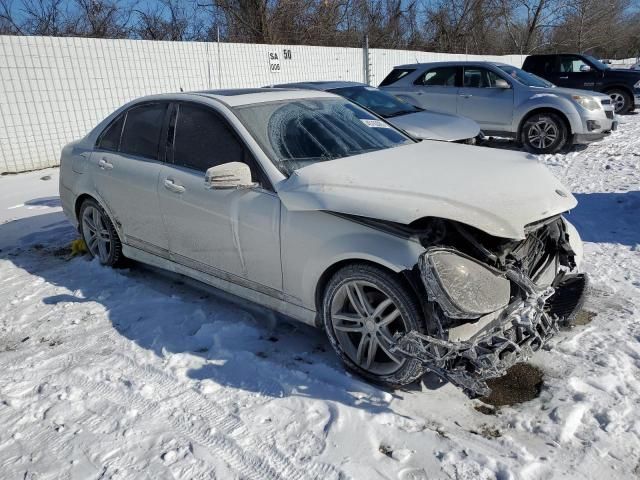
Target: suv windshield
(298,133)
(382,103)
(526,78)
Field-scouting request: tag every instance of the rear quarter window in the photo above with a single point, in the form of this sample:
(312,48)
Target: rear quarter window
(395,75)
(109,139)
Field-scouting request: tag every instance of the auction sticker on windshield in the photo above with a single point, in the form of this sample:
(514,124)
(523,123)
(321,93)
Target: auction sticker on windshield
(374,123)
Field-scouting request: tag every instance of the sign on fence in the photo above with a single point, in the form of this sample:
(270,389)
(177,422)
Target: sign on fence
(274,62)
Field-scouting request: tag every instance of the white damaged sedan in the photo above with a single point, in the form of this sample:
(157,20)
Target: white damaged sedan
(411,256)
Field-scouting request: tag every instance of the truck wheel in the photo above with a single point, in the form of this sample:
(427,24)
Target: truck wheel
(544,133)
(362,309)
(621,100)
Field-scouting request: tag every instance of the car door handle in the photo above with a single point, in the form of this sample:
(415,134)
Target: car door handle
(104,165)
(170,185)
(466,95)
(564,78)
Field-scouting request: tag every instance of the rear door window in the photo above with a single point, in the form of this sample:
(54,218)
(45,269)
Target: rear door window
(438,77)
(395,75)
(142,129)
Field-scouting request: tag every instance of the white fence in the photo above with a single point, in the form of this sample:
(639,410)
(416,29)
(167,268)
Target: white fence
(54,90)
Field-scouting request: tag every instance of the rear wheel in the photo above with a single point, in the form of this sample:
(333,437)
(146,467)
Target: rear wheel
(99,234)
(620,100)
(544,133)
(363,308)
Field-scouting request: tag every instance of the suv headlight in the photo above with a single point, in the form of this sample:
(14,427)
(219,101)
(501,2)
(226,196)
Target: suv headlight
(589,103)
(461,285)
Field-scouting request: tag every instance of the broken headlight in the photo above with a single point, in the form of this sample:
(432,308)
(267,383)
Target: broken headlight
(461,285)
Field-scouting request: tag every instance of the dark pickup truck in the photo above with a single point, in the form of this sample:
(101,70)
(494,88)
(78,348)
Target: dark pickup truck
(588,73)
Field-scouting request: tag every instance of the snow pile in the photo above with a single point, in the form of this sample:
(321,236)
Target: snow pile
(137,374)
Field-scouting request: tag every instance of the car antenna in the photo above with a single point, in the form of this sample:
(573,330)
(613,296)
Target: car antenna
(181,90)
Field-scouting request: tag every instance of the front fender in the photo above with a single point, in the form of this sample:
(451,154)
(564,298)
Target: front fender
(314,241)
(547,101)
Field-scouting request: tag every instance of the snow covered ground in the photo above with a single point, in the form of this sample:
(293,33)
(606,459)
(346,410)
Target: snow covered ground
(137,374)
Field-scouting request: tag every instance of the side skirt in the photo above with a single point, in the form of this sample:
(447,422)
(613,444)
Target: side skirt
(281,306)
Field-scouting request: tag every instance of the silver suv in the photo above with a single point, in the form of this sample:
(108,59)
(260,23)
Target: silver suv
(506,101)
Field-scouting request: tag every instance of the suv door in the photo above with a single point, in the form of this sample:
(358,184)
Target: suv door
(436,89)
(232,234)
(571,75)
(481,100)
(126,163)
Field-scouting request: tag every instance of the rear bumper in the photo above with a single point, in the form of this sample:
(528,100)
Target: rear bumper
(524,328)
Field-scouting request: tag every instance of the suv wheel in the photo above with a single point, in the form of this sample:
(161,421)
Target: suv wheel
(544,133)
(362,309)
(620,100)
(99,234)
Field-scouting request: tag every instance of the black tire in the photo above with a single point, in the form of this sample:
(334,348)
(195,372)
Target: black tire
(114,256)
(547,124)
(621,100)
(410,318)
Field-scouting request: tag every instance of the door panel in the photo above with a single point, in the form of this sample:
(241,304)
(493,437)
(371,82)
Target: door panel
(231,231)
(128,186)
(480,100)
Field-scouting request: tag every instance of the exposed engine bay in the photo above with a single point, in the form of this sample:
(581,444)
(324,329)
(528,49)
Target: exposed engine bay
(490,302)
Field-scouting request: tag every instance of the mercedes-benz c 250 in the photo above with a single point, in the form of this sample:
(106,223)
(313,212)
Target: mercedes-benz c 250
(412,256)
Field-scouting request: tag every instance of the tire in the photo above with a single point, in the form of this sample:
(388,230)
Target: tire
(102,242)
(621,100)
(544,133)
(400,315)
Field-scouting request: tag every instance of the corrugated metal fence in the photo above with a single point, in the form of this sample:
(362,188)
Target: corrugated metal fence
(54,90)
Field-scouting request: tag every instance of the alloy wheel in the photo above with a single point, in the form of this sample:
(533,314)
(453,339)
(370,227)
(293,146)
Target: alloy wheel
(542,134)
(96,233)
(365,321)
(618,101)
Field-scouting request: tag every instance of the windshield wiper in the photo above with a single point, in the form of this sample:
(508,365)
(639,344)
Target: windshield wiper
(399,113)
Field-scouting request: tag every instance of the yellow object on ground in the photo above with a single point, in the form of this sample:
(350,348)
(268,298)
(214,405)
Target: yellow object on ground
(78,247)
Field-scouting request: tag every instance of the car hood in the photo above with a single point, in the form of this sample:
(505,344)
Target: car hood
(499,192)
(436,126)
(569,92)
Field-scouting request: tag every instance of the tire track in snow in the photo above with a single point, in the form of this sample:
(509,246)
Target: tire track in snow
(229,424)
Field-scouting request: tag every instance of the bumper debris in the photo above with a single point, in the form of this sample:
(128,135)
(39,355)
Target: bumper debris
(526,326)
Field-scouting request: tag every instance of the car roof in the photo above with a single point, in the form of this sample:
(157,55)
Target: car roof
(240,96)
(247,96)
(450,63)
(321,85)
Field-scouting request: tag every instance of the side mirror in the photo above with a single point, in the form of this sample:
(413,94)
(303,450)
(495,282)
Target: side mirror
(585,68)
(232,175)
(502,83)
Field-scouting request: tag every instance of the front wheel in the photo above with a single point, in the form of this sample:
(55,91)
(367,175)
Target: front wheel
(544,133)
(363,308)
(99,234)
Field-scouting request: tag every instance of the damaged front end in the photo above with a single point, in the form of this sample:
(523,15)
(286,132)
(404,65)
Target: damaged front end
(495,305)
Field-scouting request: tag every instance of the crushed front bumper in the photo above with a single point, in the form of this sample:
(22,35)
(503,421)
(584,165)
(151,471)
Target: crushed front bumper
(526,326)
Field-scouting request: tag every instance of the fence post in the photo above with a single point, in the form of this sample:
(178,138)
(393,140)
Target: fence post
(365,61)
